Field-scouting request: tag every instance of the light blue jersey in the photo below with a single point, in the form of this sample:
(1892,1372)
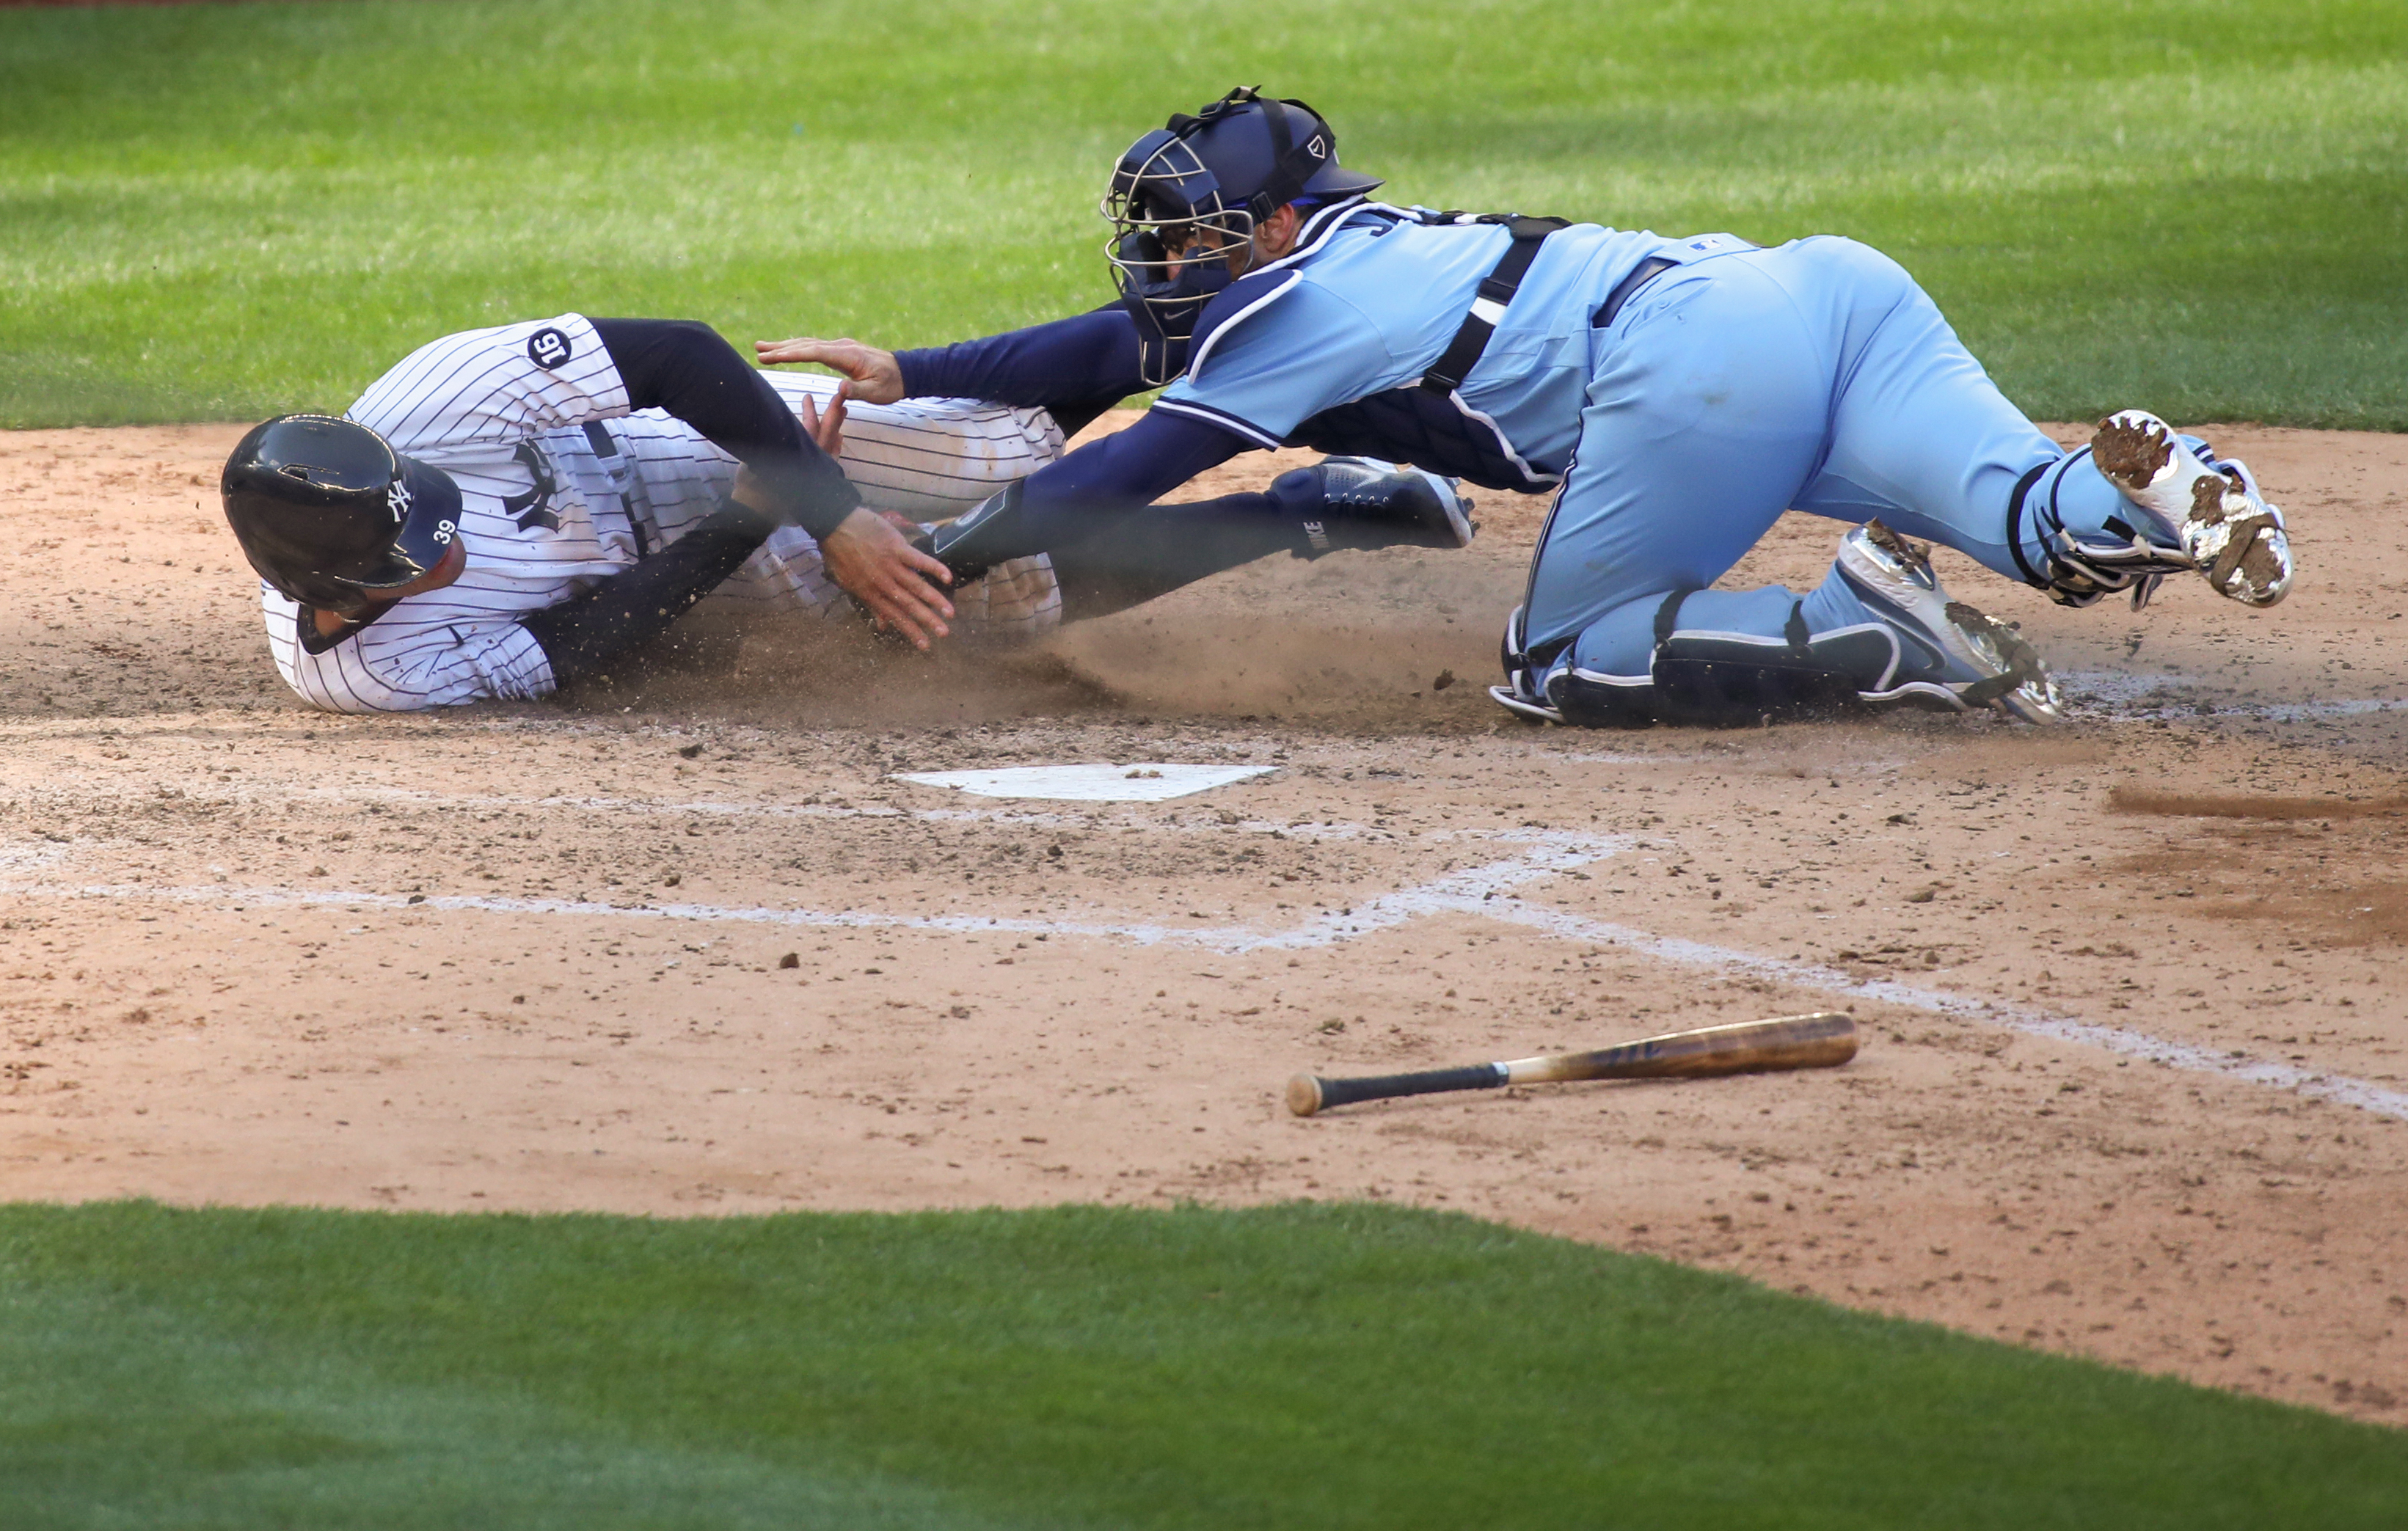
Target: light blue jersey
(1374,306)
(1328,347)
(1737,383)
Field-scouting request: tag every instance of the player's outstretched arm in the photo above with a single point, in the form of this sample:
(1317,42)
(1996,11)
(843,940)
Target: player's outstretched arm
(1074,497)
(877,377)
(1076,368)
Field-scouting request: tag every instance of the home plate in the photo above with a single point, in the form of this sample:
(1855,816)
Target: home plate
(1141,781)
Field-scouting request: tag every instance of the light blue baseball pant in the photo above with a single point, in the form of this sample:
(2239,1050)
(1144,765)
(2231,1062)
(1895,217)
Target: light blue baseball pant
(1817,376)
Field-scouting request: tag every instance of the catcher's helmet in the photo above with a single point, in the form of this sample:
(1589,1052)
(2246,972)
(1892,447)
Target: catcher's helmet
(331,515)
(1185,191)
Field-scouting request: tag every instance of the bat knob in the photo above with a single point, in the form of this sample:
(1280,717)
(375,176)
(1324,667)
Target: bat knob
(1304,1095)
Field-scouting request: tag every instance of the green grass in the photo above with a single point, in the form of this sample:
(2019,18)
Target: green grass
(1322,1367)
(217,211)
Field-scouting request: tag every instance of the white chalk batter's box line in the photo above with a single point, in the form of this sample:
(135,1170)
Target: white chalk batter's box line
(1473,890)
(2111,696)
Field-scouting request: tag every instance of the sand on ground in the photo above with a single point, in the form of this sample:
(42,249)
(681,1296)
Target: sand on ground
(2130,991)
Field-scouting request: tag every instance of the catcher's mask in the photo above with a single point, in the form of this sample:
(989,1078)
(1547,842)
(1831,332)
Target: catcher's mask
(331,516)
(1185,194)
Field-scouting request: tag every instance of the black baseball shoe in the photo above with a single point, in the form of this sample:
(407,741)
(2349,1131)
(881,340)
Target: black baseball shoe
(1366,503)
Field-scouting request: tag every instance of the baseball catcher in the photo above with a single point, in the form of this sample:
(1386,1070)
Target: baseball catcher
(1676,393)
(510,510)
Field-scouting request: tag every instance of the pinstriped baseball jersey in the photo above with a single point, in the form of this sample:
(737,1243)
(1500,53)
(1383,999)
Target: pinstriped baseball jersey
(560,487)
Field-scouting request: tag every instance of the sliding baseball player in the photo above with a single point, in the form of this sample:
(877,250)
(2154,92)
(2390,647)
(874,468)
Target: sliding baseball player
(509,509)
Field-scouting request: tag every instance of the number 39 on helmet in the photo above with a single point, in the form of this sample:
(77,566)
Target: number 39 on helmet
(331,516)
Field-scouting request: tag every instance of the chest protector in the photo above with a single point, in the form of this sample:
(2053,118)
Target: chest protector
(1427,423)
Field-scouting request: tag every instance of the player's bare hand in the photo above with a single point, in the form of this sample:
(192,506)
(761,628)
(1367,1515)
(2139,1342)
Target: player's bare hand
(874,564)
(877,377)
(826,427)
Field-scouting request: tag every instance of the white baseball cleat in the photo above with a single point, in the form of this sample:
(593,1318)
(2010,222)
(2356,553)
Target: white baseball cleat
(2227,531)
(1980,663)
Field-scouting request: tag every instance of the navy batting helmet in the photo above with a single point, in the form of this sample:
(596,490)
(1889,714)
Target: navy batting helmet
(1186,193)
(332,516)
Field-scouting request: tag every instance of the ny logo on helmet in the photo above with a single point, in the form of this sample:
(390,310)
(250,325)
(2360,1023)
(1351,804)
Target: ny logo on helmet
(396,500)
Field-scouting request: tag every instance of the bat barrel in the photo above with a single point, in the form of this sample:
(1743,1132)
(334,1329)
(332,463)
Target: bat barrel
(1791,1041)
(1308,1093)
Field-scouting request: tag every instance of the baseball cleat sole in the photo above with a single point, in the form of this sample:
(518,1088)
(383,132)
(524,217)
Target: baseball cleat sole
(2231,534)
(1523,707)
(1893,574)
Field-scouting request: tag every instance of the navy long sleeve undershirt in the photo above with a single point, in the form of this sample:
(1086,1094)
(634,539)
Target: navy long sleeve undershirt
(585,634)
(1075,368)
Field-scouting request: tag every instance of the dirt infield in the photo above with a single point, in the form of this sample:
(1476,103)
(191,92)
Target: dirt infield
(2132,1084)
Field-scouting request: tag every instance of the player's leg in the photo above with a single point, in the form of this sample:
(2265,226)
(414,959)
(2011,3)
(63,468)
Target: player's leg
(1338,504)
(673,478)
(1879,631)
(1703,418)
(922,459)
(1923,440)
(1707,417)
(931,459)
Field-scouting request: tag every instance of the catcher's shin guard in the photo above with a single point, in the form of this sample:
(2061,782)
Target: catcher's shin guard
(1708,678)
(1732,679)
(1589,699)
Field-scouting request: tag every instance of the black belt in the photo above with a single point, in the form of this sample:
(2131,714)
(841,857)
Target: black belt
(598,437)
(1646,271)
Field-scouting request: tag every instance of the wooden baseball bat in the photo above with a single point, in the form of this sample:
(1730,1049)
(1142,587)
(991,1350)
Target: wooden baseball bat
(1823,1041)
